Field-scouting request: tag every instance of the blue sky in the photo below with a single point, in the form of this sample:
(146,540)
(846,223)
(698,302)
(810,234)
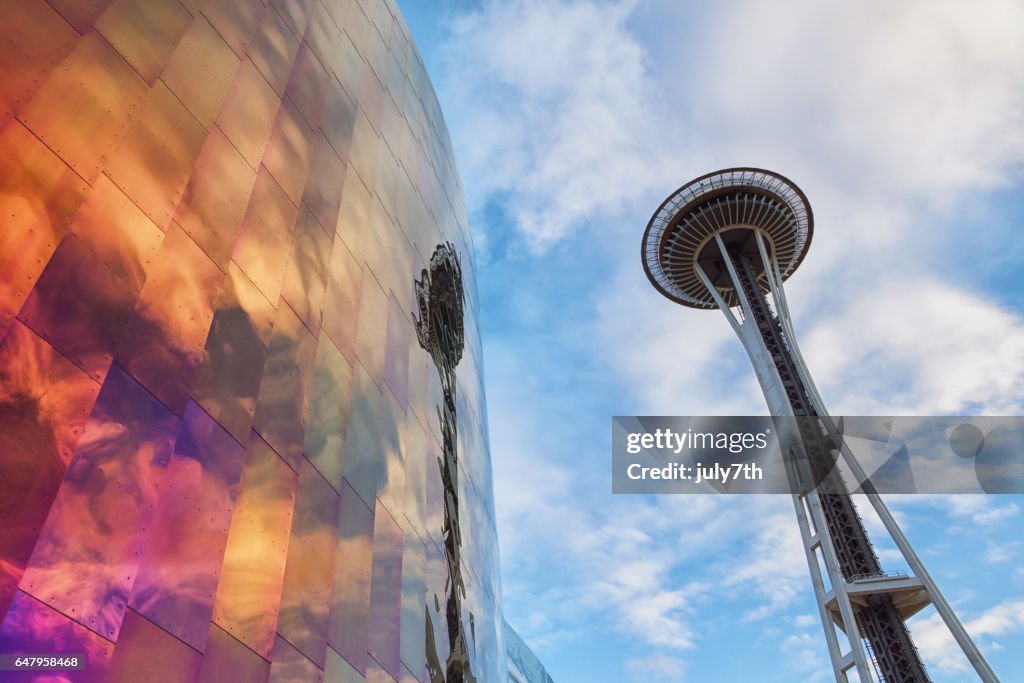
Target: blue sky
(572,120)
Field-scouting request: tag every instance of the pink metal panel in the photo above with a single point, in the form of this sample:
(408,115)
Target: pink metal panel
(86,559)
(226,659)
(234,20)
(289,151)
(144,34)
(249,594)
(180,563)
(163,341)
(305,278)
(235,351)
(371,96)
(248,112)
(44,403)
(81,110)
(145,647)
(350,600)
(306,597)
(84,298)
(214,202)
(307,85)
(283,400)
(201,70)
(79,13)
(39,195)
(328,412)
(386,591)
(263,243)
(273,49)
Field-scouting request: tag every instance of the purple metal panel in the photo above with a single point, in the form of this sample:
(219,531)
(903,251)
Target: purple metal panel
(178,572)
(31,627)
(44,403)
(273,49)
(248,112)
(306,598)
(290,666)
(262,247)
(39,195)
(324,441)
(305,277)
(87,556)
(214,202)
(84,298)
(375,673)
(249,595)
(295,14)
(386,591)
(226,659)
(371,435)
(163,341)
(341,304)
(235,351)
(201,70)
(322,192)
(396,353)
(307,85)
(289,151)
(350,599)
(339,117)
(79,13)
(145,647)
(283,401)
(414,606)
(372,94)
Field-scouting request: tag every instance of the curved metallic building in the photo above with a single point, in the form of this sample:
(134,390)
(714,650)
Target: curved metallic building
(224,453)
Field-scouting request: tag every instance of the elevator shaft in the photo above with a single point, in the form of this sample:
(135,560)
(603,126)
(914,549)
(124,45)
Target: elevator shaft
(879,622)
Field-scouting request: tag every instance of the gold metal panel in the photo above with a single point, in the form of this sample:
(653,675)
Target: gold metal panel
(290,666)
(273,49)
(325,184)
(371,330)
(79,13)
(289,151)
(248,112)
(201,70)
(144,646)
(354,216)
(87,556)
(235,351)
(249,593)
(226,659)
(283,401)
(81,110)
(363,149)
(33,40)
(84,298)
(341,305)
(144,33)
(261,249)
(163,342)
(214,202)
(305,279)
(306,597)
(307,85)
(44,403)
(324,441)
(39,195)
(234,20)
(155,159)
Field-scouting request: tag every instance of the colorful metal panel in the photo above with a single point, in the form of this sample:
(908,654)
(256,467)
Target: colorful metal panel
(220,448)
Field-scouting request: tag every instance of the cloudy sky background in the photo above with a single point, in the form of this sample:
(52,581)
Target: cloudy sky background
(572,120)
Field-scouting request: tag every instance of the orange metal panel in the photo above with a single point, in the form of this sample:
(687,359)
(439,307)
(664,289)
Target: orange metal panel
(145,647)
(306,598)
(39,195)
(289,150)
(44,403)
(283,400)
(341,306)
(163,341)
(226,659)
(234,20)
(201,70)
(84,298)
(273,49)
(248,112)
(249,594)
(87,556)
(290,666)
(305,278)
(265,239)
(33,40)
(154,161)
(307,85)
(81,110)
(144,33)
(235,351)
(214,202)
(350,600)
(328,412)
(177,576)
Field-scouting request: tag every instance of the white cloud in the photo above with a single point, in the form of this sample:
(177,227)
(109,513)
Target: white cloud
(941,652)
(657,668)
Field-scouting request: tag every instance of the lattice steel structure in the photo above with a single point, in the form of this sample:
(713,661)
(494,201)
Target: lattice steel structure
(728,240)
